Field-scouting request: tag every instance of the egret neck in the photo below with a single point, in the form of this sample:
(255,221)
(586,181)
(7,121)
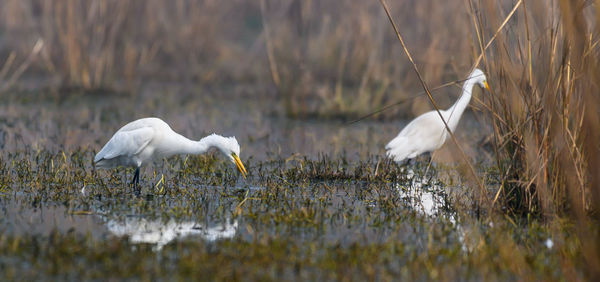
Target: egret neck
(456,111)
(187,146)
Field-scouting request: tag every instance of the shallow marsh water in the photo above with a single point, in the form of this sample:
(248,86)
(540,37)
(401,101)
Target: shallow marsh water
(319,203)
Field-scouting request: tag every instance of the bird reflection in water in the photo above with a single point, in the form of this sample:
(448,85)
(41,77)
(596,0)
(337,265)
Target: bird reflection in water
(424,197)
(141,230)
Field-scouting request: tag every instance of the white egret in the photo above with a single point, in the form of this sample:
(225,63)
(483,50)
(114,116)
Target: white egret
(144,140)
(427,132)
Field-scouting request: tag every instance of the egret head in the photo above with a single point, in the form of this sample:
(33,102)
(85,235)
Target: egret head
(479,77)
(231,149)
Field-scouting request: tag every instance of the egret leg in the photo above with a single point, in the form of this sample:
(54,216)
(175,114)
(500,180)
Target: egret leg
(430,158)
(135,181)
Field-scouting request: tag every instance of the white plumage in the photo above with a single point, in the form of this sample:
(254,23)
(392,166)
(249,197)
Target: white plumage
(144,140)
(427,132)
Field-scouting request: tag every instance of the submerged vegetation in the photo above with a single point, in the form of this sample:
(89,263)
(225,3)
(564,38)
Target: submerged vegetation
(320,202)
(62,220)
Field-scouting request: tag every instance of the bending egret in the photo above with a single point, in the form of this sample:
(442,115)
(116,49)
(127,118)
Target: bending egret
(144,140)
(427,132)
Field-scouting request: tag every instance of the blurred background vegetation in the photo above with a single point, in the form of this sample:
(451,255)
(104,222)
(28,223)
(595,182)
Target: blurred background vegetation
(321,58)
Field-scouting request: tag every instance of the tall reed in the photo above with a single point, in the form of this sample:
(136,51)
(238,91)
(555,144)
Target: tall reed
(115,43)
(546,81)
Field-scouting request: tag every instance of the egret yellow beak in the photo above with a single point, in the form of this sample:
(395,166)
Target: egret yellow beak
(239,165)
(487,86)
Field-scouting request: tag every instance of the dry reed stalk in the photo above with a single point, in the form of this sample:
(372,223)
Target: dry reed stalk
(545,78)
(482,193)
(7,64)
(37,48)
(269,46)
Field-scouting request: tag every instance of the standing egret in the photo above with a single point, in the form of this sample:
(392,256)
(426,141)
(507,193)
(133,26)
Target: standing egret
(427,132)
(144,140)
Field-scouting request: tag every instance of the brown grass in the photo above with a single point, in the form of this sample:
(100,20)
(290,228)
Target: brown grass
(338,58)
(111,44)
(545,108)
(325,58)
(545,102)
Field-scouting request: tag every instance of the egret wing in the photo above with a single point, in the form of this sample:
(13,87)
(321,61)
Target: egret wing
(126,143)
